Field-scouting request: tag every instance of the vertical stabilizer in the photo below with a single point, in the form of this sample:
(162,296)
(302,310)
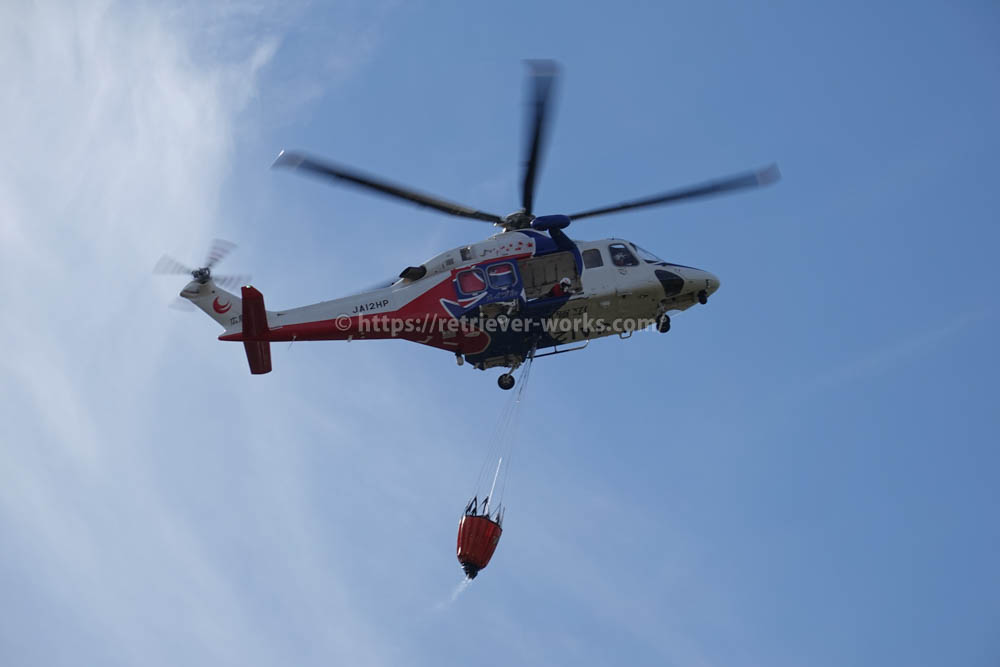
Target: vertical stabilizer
(255,331)
(217,303)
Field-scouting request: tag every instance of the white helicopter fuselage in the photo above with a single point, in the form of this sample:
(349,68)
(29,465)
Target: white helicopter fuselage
(491,303)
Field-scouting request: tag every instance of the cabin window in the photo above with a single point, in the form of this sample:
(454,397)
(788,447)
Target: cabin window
(648,257)
(501,275)
(672,283)
(622,256)
(471,281)
(592,259)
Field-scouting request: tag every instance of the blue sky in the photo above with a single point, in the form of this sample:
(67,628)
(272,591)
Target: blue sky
(801,472)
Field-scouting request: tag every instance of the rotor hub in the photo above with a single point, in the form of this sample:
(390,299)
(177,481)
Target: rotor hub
(517,220)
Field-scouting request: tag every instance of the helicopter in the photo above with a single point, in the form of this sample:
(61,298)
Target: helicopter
(526,292)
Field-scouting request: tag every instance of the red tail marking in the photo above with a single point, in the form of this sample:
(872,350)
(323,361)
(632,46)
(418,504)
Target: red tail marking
(220,307)
(255,330)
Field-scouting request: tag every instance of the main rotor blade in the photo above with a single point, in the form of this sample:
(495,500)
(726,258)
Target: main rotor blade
(543,78)
(751,179)
(329,170)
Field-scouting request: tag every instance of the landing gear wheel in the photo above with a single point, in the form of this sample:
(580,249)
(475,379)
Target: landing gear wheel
(663,326)
(506,381)
(703,297)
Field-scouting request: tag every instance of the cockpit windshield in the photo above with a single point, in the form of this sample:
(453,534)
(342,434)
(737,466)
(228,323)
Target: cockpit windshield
(647,256)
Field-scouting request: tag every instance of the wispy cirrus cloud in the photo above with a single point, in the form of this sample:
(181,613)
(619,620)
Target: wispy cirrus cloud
(118,133)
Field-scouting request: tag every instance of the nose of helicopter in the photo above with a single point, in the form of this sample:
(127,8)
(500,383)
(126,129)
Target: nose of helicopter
(704,281)
(713,282)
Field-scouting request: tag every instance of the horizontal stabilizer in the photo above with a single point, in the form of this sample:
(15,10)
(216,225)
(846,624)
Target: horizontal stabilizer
(255,331)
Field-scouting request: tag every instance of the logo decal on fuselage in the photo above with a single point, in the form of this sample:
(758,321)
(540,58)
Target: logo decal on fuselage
(220,307)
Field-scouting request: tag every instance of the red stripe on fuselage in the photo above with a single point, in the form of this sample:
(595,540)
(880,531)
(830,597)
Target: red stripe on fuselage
(423,320)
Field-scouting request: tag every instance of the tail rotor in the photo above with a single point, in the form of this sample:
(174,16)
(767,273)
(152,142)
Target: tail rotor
(219,250)
(181,304)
